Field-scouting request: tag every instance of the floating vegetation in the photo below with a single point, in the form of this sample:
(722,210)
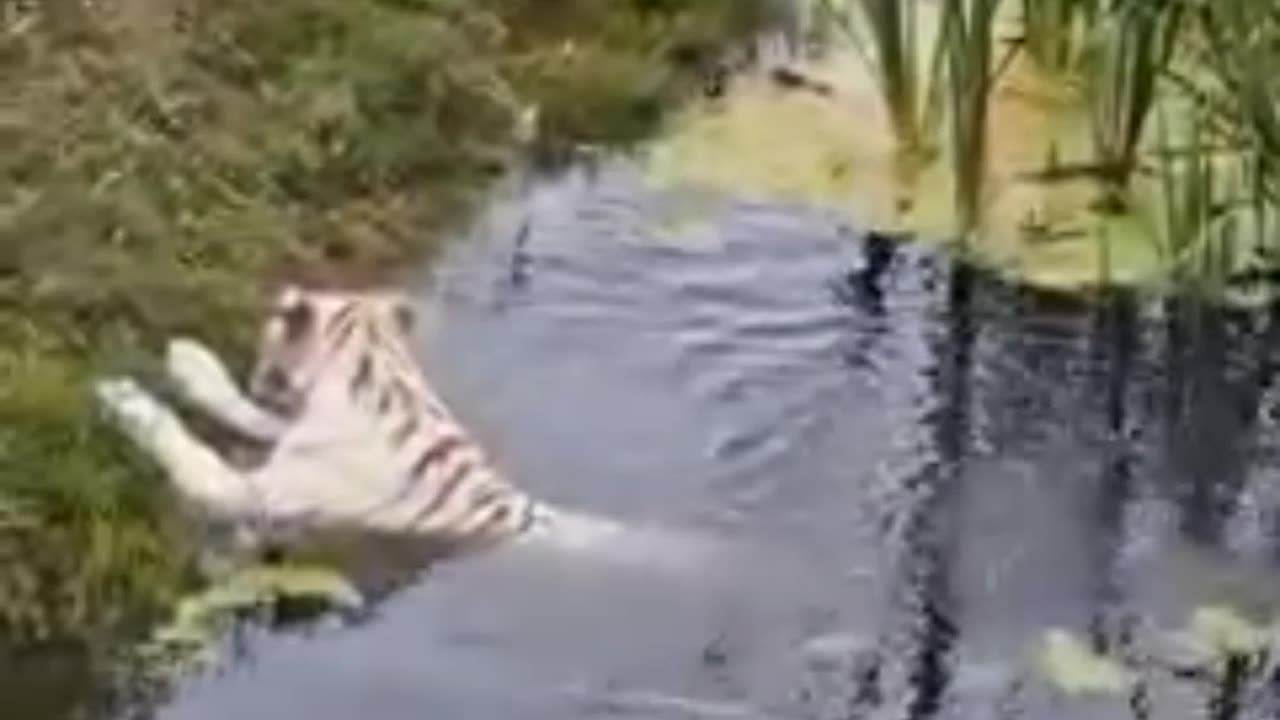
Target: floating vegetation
(200,619)
(1075,669)
(1220,652)
(1217,631)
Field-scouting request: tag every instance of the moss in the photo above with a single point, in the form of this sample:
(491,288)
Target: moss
(165,158)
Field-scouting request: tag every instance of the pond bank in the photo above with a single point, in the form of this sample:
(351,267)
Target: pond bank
(168,157)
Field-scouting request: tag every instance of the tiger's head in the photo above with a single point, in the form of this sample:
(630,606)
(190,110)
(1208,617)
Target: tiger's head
(307,328)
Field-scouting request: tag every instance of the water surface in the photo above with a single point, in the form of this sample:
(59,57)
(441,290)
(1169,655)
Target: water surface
(908,469)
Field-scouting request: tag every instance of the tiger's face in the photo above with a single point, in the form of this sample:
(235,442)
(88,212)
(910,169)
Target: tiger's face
(305,329)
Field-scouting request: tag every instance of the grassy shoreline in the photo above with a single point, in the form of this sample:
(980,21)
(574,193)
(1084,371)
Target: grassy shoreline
(167,157)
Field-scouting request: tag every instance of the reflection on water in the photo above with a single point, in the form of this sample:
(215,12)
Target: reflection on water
(915,470)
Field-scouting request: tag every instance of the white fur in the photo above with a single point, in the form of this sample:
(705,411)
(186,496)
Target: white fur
(325,469)
(199,471)
(615,543)
(201,377)
(330,467)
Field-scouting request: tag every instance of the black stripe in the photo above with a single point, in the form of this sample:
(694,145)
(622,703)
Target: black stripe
(344,335)
(364,374)
(447,488)
(500,514)
(338,317)
(435,452)
(418,473)
(402,434)
(403,393)
(486,495)
(384,401)
(529,517)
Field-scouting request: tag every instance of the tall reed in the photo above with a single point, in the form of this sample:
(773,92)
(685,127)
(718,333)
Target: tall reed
(910,92)
(1201,208)
(1229,70)
(1054,32)
(967,40)
(1132,45)
(1241,51)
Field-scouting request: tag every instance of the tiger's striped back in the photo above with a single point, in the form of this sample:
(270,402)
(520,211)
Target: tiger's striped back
(340,364)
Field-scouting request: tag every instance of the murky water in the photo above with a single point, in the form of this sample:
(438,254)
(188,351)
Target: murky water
(910,472)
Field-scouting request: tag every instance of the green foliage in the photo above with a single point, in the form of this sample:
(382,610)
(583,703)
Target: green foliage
(909,86)
(1237,44)
(603,72)
(1214,636)
(1200,192)
(968,41)
(1133,42)
(202,618)
(203,625)
(1055,32)
(82,533)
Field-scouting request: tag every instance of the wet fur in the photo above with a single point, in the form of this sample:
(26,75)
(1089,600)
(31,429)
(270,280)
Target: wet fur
(324,468)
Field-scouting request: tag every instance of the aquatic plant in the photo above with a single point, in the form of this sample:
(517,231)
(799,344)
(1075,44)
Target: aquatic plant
(1229,73)
(1191,202)
(909,85)
(1055,32)
(1073,668)
(1075,177)
(1220,654)
(1236,56)
(967,38)
(1132,44)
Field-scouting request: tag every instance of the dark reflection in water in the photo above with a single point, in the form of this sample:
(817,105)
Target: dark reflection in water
(911,470)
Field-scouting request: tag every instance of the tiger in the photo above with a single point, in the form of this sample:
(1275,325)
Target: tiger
(354,437)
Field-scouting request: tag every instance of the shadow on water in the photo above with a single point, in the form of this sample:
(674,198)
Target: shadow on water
(914,469)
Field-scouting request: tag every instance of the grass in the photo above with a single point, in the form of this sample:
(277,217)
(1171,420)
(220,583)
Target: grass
(165,158)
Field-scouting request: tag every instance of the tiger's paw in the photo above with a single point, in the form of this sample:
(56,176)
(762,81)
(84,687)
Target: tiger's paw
(193,366)
(128,405)
(200,376)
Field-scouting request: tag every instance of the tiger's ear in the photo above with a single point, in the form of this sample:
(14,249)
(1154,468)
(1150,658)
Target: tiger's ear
(299,318)
(285,295)
(405,316)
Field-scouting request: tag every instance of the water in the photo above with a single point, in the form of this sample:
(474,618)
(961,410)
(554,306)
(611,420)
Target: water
(911,471)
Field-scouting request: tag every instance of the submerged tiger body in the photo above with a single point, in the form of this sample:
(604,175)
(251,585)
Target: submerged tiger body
(356,438)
